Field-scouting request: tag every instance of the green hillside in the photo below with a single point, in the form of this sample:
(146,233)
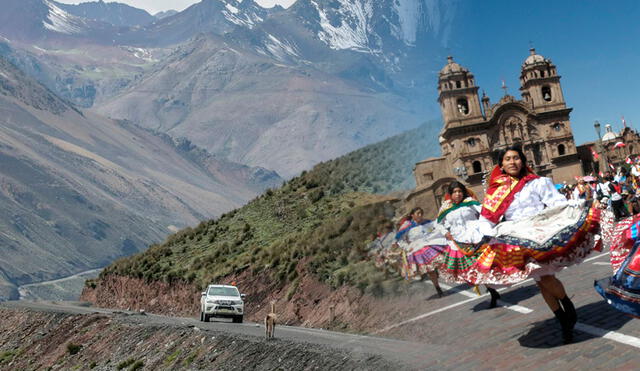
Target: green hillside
(324,216)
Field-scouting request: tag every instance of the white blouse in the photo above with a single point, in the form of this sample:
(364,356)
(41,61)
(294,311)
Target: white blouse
(535,196)
(462,223)
(420,232)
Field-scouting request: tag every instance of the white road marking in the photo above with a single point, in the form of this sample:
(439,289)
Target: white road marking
(504,304)
(425,315)
(611,335)
(595,257)
(516,308)
(601,263)
(517,284)
(466,293)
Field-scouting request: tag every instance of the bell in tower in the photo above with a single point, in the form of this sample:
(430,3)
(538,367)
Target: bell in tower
(458,95)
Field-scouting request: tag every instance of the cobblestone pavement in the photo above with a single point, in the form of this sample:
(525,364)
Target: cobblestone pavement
(525,335)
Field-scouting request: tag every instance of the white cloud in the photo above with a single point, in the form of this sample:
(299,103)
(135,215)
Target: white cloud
(154,6)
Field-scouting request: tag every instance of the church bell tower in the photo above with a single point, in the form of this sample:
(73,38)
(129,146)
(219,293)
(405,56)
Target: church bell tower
(458,96)
(540,83)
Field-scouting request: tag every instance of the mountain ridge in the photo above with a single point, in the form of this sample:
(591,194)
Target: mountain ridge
(117,14)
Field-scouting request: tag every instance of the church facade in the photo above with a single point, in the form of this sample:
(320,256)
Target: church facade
(475,130)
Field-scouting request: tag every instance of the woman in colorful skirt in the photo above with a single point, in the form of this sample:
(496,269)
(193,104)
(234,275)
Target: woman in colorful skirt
(423,245)
(459,215)
(531,231)
(622,290)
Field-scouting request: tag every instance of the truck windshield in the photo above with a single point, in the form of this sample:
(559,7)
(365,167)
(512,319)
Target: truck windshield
(223,291)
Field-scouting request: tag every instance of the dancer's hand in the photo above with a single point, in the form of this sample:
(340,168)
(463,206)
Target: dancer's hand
(448,236)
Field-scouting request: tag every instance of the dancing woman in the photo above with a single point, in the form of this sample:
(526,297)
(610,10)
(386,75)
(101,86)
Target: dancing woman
(423,245)
(622,239)
(459,215)
(622,290)
(536,232)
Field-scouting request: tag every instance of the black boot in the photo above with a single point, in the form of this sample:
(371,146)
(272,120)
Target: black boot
(494,297)
(567,329)
(439,290)
(570,311)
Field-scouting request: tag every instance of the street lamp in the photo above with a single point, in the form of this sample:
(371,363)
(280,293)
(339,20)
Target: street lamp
(596,125)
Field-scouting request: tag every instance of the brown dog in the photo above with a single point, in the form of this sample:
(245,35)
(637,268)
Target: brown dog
(270,321)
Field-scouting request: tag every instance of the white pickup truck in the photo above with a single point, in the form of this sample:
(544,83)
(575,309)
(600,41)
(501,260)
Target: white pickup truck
(222,301)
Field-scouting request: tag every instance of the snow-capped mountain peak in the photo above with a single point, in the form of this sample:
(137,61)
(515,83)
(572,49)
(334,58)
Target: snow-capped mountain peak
(348,27)
(365,25)
(243,14)
(58,20)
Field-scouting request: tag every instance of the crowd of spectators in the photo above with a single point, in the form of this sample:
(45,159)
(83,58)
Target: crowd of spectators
(620,192)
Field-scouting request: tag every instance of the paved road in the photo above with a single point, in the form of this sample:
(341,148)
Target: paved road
(23,290)
(523,332)
(459,332)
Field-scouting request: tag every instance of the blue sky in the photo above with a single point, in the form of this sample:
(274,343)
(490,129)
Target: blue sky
(592,43)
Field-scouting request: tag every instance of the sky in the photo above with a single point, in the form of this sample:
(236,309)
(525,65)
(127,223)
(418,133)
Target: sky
(592,43)
(154,6)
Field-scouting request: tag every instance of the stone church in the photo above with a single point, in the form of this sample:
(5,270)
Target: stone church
(475,130)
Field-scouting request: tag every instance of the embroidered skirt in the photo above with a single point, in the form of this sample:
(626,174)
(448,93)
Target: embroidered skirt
(424,254)
(530,248)
(622,290)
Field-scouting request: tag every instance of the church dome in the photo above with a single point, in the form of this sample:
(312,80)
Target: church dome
(452,67)
(533,58)
(609,135)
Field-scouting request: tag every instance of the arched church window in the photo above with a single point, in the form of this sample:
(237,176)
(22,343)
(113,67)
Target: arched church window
(546,93)
(561,150)
(463,106)
(557,126)
(541,73)
(477,167)
(458,84)
(471,142)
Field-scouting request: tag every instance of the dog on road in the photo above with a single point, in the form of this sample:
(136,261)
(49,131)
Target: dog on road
(270,321)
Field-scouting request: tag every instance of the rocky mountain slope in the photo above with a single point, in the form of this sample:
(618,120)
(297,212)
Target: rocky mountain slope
(44,21)
(325,77)
(298,244)
(254,111)
(78,190)
(165,14)
(278,88)
(117,14)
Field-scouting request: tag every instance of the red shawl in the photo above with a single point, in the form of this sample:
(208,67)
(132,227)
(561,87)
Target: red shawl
(502,190)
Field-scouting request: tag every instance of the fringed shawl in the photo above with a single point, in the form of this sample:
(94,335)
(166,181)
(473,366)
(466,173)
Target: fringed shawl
(448,205)
(502,189)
